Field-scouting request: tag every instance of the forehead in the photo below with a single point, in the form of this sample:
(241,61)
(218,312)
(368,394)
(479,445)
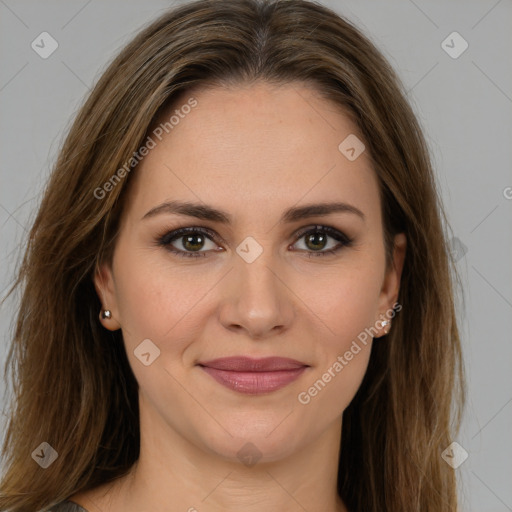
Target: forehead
(254,145)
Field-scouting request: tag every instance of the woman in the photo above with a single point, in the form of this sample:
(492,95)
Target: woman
(237,293)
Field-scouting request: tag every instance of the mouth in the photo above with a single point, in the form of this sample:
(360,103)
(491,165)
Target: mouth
(254,376)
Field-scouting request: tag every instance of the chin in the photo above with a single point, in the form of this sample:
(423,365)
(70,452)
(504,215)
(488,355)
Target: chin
(256,439)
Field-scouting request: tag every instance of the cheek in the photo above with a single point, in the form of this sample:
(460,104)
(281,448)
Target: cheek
(345,300)
(346,303)
(157,299)
(342,361)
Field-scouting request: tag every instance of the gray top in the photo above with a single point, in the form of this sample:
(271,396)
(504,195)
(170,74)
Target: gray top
(67,506)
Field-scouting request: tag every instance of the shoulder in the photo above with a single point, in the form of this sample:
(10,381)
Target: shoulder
(67,506)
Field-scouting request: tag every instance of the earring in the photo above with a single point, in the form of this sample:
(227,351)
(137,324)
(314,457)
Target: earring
(106,314)
(385,323)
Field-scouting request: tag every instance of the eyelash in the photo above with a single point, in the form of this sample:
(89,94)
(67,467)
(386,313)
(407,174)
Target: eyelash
(166,239)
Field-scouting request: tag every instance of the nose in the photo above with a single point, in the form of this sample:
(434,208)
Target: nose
(258,300)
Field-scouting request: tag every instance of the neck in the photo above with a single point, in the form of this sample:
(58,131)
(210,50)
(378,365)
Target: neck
(173,472)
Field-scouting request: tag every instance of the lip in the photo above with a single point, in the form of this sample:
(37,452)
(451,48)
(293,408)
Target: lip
(254,376)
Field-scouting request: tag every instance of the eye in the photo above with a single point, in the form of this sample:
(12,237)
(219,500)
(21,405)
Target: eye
(316,240)
(189,241)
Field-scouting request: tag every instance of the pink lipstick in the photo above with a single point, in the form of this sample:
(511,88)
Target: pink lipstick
(254,376)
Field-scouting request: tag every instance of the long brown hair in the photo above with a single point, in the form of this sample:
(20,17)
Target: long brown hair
(73,386)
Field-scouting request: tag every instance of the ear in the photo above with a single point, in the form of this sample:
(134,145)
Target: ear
(105,288)
(391,284)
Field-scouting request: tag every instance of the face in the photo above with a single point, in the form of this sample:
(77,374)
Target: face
(266,277)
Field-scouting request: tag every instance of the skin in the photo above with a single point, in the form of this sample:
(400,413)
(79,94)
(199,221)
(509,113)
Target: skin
(253,151)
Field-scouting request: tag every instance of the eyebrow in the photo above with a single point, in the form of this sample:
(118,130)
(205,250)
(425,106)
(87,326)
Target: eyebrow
(206,212)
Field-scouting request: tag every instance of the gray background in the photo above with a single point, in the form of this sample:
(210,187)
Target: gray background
(464,104)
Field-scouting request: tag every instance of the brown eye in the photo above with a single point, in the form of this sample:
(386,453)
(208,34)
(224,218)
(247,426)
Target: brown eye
(316,240)
(188,242)
(192,242)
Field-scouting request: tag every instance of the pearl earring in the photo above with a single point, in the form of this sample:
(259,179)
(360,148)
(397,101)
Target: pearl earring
(385,323)
(106,314)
